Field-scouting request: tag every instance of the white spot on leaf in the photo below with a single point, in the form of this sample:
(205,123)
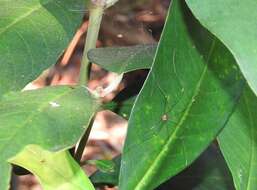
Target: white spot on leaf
(54,104)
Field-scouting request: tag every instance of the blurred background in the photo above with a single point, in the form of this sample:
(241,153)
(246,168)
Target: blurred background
(129,22)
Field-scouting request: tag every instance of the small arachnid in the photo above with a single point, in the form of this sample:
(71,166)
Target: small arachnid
(165,117)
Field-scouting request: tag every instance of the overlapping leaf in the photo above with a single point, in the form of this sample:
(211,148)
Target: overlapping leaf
(123,59)
(209,171)
(188,96)
(54,170)
(53,118)
(234,23)
(121,108)
(238,142)
(33,33)
(107,177)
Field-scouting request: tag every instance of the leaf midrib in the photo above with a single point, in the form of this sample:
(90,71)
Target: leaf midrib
(161,155)
(24,16)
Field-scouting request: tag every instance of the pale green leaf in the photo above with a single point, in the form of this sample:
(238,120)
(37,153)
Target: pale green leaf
(54,170)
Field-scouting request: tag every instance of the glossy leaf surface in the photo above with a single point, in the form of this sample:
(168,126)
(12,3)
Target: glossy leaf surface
(53,118)
(33,33)
(54,170)
(177,115)
(123,59)
(238,142)
(234,23)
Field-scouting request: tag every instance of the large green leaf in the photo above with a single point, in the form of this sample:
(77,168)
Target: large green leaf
(53,118)
(54,170)
(33,33)
(238,142)
(123,59)
(234,23)
(188,96)
(208,172)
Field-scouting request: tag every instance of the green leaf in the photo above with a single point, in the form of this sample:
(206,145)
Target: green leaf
(109,177)
(238,142)
(234,23)
(33,33)
(103,165)
(209,171)
(189,94)
(55,170)
(122,108)
(53,118)
(123,59)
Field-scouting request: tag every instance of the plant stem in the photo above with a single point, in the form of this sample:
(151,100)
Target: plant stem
(95,18)
(96,12)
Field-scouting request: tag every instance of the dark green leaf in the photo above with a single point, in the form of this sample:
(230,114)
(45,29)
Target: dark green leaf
(208,172)
(53,118)
(103,165)
(238,142)
(110,178)
(188,96)
(123,59)
(33,33)
(121,108)
(234,23)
